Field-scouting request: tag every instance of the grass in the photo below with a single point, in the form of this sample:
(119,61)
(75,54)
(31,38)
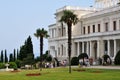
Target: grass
(62,74)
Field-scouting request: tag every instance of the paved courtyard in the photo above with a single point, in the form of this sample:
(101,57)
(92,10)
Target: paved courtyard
(104,67)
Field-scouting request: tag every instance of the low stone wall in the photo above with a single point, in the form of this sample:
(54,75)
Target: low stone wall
(7,69)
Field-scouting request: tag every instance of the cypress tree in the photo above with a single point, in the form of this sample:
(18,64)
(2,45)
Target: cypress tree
(29,51)
(14,54)
(22,54)
(26,52)
(17,54)
(2,57)
(6,58)
(11,59)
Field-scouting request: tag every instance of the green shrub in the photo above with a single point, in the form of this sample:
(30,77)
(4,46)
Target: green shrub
(117,58)
(13,65)
(2,65)
(75,61)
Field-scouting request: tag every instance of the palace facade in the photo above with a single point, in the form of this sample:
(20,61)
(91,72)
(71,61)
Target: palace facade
(97,32)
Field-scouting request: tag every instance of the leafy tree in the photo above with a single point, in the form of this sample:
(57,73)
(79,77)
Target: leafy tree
(6,58)
(11,59)
(13,65)
(2,57)
(75,61)
(70,19)
(41,33)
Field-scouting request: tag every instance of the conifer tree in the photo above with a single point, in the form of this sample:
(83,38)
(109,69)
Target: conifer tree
(2,57)
(11,59)
(6,58)
(17,54)
(26,52)
(14,54)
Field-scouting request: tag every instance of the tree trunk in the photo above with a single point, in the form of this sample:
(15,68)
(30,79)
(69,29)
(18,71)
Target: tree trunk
(41,52)
(69,45)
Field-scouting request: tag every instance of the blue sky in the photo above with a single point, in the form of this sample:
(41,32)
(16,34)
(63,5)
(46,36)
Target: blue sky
(21,18)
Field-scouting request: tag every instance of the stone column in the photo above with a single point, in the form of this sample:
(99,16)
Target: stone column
(102,50)
(88,48)
(108,47)
(98,48)
(114,47)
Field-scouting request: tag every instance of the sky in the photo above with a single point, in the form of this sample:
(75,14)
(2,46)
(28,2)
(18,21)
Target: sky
(21,18)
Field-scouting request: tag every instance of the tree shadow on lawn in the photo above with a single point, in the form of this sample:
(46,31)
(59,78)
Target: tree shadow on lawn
(88,70)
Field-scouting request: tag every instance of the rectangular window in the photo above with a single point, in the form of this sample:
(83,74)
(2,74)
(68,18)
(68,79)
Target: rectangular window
(98,27)
(114,25)
(106,26)
(88,29)
(93,28)
(83,30)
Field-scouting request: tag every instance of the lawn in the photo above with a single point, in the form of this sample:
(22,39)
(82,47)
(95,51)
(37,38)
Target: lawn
(62,74)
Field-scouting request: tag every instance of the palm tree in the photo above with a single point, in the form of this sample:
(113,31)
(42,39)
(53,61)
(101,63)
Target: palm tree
(70,19)
(41,33)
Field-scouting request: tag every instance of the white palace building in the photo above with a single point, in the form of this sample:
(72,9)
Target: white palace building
(97,32)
